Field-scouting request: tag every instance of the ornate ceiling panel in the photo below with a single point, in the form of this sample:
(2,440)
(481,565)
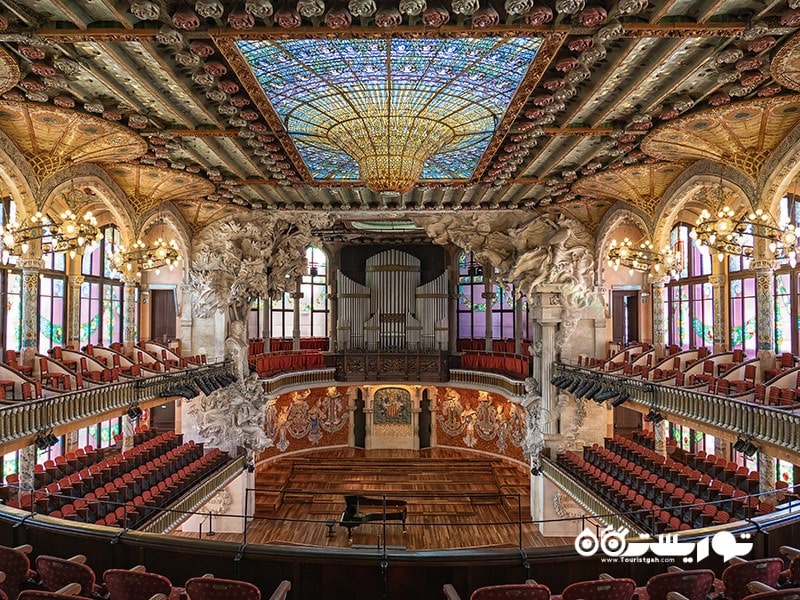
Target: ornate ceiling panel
(54,138)
(785,66)
(147,187)
(742,134)
(640,185)
(199,214)
(9,71)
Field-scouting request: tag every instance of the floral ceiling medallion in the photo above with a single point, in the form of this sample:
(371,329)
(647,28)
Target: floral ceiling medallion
(391,112)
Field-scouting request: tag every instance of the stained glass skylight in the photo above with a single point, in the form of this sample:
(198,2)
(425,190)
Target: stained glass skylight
(451,92)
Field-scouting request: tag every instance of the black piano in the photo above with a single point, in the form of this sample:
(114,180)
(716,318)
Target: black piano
(362,509)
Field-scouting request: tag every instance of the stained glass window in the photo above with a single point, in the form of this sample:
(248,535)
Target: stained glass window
(743,314)
(787,289)
(52,312)
(465,83)
(690,298)
(784,472)
(13,310)
(313,304)
(101,293)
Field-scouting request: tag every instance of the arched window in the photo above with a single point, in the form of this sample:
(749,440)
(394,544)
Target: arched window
(742,302)
(472,305)
(52,301)
(787,289)
(101,293)
(689,295)
(313,304)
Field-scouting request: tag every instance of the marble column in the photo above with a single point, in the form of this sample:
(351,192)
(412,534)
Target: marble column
(660,431)
(74,311)
(659,314)
(549,393)
(488,297)
(297,296)
(185,319)
(766,476)
(129,316)
(718,285)
(127,433)
(27,460)
(765,310)
(31,268)
(545,310)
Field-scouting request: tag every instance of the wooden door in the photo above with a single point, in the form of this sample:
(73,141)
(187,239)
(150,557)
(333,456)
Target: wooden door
(625,315)
(360,422)
(162,315)
(425,421)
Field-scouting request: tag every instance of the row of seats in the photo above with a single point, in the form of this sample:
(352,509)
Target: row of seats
(507,346)
(61,578)
(512,365)
(267,365)
(741,580)
(258,345)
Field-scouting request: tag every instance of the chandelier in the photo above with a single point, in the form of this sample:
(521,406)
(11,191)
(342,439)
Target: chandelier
(724,233)
(141,257)
(643,257)
(67,234)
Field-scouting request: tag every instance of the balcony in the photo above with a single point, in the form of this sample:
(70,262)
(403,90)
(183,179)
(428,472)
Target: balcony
(766,424)
(23,419)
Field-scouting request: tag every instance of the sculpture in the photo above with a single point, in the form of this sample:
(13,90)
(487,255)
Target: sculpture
(534,413)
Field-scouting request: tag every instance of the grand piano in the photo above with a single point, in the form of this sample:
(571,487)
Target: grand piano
(362,509)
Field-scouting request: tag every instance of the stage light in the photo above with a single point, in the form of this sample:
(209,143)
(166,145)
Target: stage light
(621,399)
(41,443)
(52,440)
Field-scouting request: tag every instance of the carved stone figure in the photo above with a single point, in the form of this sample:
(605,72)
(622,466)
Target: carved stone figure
(233,416)
(534,415)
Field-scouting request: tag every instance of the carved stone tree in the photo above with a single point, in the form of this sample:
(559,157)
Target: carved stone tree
(247,257)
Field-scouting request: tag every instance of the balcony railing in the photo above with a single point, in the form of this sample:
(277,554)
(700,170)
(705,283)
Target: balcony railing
(24,419)
(500,383)
(767,424)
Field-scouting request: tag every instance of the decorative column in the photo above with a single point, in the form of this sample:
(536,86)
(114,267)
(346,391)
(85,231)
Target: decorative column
(333,300)
(297,295)
(765,310)
(659,314)
(488,297)
(545,310)
(718,285)
(127,433)
(452,303)
(74,311)
(266,324)
(27,460)
(129,315)
(766,477)
(30,307)
(186,319)
(660,431)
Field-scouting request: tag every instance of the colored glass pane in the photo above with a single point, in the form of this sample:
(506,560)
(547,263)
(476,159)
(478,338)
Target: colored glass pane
(465,83)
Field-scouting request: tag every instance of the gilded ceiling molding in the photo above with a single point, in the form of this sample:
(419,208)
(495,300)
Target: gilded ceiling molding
(742,134)
(785,66)
(779,171)
(641,185)
(694,184)
(9,71)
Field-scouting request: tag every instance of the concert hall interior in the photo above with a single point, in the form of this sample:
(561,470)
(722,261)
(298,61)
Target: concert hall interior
(401,298)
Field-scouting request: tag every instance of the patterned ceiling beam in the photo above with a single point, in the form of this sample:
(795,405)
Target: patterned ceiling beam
(579,131)
(632,30)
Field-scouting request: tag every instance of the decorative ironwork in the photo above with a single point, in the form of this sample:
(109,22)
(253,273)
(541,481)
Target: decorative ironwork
(643,257)
(141,257)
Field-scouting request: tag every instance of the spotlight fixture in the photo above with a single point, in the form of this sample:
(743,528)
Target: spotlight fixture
(745,446)
(52,439)
(536,470)
(654,417)
(41,443)
(134,412)
(621,399)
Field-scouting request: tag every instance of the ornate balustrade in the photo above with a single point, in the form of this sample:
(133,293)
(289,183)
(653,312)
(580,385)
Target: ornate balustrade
(23,419)
(592,504)
(289,381)
(767,424)
(487,381)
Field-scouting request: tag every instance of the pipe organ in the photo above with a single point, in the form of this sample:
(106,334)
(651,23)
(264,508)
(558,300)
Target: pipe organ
(392,311)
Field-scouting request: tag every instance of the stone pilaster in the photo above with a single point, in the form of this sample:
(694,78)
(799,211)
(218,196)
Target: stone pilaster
(31,268)
(660,431)
(74,311)
(766,476)
(718,285)
(129,316)
(765,310)
(127,433)
(518,322)
(27,460)
(333,300)
(452,303)
(545,309)
(186,319)
(297,296)
(659,313)
(488,297)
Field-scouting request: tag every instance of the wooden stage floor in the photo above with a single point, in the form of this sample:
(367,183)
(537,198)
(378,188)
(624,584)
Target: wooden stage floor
(455,500)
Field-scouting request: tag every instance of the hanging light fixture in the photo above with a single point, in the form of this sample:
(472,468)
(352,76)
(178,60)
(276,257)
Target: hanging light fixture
(141,257)
(725,233)
(642,257)
(66,233)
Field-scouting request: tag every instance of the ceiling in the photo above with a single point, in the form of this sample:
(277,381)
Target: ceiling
(568,133)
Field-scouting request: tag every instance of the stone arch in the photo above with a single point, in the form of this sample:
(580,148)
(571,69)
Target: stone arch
(778,173)
(169,214)
(619,214)
(110,202)
(16,175)
(690,187)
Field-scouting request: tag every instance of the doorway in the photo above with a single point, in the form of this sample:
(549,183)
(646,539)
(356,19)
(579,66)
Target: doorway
(162,418)
(625,315)
(162,315)
(425,421)
(359,422)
